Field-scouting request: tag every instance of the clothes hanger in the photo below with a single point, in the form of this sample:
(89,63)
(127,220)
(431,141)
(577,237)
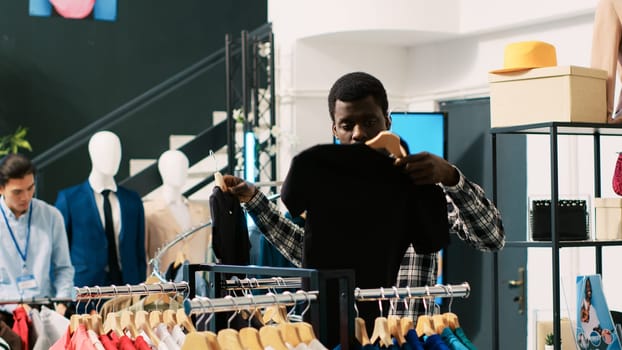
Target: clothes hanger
(76,319)
(450,317)
(274,314)
(218,179)
(305,329)
(406,322)
(270,336)
(381,328)
(160,298)
(393,321)
(193,340)
(249,336)
(388,141)
(112,323)
(360,330)
(210,337)
(127,319)
(424,322)
(96,318)
(289,332)
(141,321)
(229,338)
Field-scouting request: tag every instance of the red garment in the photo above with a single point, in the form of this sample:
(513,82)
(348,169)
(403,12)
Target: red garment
(141,344)
(125,343)
(20,325)
(107,342)
(114,338)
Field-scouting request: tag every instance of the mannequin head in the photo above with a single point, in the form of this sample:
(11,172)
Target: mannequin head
(173,167)
(105,153)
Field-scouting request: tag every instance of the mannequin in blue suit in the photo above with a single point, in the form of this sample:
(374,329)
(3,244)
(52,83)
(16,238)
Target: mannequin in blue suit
(82,209)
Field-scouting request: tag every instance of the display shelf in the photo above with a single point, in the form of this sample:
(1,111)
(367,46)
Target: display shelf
(553,130)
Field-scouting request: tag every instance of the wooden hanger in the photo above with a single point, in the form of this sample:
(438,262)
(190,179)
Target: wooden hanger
(381,332)
(113,324)
(271,336)
(388,141)
(393,321)
(141,320)
(220,182)
(424,326)
(184,321)
(406,324)
(159,297)
(127,323)
(169,318)
(275,314)
(360,331)
(74,322)
(249,338)
(155,318)
(439,323)
(195,341)
(452,320)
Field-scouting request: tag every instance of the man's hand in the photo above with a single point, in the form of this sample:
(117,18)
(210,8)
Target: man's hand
(426,168)
(243,190)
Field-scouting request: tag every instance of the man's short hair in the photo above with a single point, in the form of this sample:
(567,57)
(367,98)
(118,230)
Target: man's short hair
(15,166)
(356,86)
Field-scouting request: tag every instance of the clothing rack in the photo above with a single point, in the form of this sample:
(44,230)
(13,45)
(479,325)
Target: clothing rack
(441,291)
(336,285)
(155,261)
(97,292)
(262,283)
(203,304)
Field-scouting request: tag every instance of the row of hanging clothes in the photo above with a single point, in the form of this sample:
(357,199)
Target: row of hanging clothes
(432,330)
(160,316)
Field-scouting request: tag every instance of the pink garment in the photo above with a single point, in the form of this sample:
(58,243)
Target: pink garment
(20,325)
(80,339)
(64,342)
(73,8)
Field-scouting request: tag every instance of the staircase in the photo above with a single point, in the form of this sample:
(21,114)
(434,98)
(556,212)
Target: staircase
(196,173)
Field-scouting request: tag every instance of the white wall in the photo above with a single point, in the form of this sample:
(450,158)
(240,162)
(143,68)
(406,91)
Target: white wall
(453,45)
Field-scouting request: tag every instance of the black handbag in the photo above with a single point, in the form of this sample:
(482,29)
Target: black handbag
(571,226)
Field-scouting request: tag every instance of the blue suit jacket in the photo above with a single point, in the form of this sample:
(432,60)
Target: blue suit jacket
(87,239)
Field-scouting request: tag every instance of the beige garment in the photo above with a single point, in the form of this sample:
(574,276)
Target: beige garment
(161,227)
(606,53)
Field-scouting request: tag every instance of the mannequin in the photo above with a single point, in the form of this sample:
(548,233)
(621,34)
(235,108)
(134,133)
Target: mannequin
(83,209)
(172,214)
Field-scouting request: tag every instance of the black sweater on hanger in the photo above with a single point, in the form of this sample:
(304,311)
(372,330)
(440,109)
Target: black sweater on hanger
(362,212)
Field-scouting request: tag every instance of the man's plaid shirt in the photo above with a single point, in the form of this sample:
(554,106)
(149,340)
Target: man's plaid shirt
(471,215)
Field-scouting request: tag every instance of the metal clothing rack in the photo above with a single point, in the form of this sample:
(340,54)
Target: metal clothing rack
(97,292)
(203,304)
(336,286)
(155,261)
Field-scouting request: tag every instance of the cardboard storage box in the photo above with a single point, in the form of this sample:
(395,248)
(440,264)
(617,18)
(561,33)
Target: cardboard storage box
(563,94)
(608,218)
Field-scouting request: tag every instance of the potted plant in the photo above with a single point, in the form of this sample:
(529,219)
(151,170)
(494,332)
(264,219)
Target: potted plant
(548,341)
(13,142)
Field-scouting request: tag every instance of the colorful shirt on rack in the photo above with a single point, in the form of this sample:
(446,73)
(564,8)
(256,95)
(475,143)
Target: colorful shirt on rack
(472,217)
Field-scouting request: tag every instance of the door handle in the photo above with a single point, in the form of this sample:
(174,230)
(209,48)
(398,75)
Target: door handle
(520,284)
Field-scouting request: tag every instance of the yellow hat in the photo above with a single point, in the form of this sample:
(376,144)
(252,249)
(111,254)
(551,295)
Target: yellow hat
(526,55)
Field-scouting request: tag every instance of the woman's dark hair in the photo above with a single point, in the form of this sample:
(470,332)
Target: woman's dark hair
(15,166)
(355,86)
